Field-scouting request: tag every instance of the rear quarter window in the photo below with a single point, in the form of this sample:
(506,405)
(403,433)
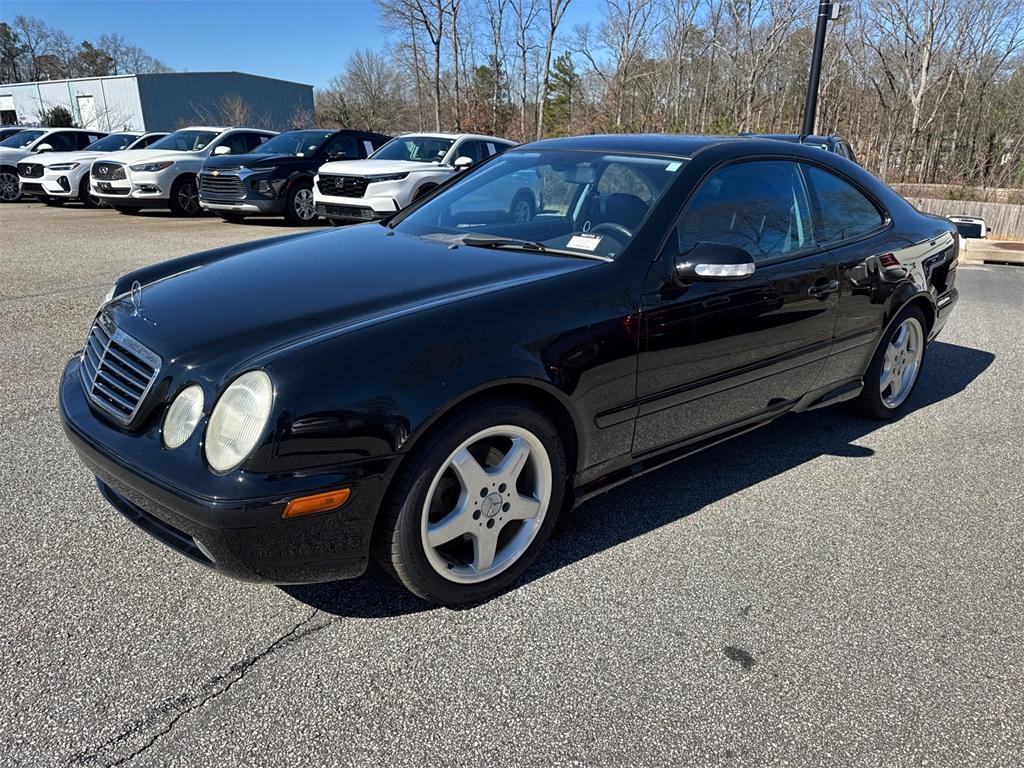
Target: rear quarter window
(842,211)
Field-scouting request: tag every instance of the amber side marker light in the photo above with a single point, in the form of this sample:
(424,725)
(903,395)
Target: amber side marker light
(320,502)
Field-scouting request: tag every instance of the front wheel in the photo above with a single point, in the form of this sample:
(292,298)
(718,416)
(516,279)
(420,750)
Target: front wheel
(86,197)
(473,504)
(10,187)
(895,369)
(299,209)
(185,197)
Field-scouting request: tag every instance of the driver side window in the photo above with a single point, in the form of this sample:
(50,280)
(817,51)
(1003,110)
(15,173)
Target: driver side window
(760,206)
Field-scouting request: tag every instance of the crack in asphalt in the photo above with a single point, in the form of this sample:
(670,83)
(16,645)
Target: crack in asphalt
(179,706)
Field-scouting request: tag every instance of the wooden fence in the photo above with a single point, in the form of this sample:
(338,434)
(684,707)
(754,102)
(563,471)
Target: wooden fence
(1003,219)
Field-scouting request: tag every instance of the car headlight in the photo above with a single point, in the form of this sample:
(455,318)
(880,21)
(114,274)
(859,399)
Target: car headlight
(183,416)
(152,167)
(64,166)
(387,177)
(238,420)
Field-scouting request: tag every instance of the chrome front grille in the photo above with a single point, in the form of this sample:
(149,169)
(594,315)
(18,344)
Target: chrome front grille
(108,171)
(117,371)
(30,170)
(229,186)
(343,186)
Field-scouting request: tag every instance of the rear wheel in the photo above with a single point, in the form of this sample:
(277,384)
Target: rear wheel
(299,209)
(895,369)
(10,187)
(473,503)
(185,197)
(522,209)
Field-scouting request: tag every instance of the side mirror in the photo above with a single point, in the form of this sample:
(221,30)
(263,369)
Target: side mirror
(44,148)
(223,149)
(714,261)
(462,163)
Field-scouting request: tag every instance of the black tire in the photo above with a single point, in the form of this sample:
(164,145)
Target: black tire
(523,207)
(129,210)
(10,186)
(423,191)
(398,545)
(871,401)
(53,202)
(298,204)
(185,196)
(85,195)
(234,218)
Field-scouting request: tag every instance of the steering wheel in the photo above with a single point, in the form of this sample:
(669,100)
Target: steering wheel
(613,227)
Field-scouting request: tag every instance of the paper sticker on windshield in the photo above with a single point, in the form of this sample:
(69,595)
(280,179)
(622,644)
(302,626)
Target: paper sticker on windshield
(584,242)
(673,167)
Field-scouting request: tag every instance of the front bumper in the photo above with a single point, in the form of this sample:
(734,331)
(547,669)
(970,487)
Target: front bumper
(243,537)
(51,184)
(354,209)
(243,206)
(139,189)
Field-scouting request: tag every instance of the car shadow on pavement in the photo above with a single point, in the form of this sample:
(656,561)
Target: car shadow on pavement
(680,489)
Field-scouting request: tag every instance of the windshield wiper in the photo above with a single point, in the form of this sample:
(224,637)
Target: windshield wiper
(515,244)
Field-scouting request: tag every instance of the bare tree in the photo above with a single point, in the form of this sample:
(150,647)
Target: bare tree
(556,10)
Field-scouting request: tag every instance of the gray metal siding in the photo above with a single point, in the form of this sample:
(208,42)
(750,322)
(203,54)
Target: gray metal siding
(116,100)
(172,100)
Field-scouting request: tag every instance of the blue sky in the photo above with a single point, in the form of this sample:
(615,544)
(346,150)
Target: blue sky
(291,39)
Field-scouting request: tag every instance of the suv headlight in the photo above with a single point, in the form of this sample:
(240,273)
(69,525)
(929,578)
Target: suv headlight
(183,416)
(64,166)
(238,420)
(387,177)
(152,167)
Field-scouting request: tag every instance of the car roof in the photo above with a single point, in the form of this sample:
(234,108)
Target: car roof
(649,143)
(812,138)
(435,135)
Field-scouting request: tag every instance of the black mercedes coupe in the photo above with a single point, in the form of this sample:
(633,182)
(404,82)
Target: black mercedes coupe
(435,389)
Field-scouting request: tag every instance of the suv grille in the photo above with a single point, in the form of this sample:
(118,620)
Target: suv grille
(343,186)
(30,170)
(108,171)
(117,371)
(221,185)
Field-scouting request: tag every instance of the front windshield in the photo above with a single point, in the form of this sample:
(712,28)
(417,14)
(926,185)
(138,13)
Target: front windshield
(21,139)
(581,203)
(422,149)
(185,141)
(297,143)
(112,143)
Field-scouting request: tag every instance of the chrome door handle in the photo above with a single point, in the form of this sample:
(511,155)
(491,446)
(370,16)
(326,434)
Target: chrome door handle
(822,291)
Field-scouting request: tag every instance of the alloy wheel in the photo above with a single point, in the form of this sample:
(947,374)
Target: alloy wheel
(10,187)
(304,207)
(902,363)
(188,197)
(486,504)
(522,211)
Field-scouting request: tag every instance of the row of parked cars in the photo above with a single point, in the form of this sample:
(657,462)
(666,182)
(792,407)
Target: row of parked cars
(340,175)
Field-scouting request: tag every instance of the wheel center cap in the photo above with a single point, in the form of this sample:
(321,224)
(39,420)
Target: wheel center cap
(491,505)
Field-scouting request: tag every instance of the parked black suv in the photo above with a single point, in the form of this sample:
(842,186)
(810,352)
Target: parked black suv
(277,178)
(832,143)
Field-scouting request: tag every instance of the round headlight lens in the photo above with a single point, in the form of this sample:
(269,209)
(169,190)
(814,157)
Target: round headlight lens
(183,415)
(238,420)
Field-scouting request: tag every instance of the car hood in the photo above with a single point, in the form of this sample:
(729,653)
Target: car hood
(376,167)
(262,299)
(149,155)
(253,160)
(12,155)
(55,158)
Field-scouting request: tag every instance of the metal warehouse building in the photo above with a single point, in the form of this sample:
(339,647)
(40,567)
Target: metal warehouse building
(156,102)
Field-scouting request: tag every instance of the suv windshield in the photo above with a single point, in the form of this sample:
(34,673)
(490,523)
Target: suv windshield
(185,141)
(422,149)
(580,203)
(22,139)
(298,143)
(112,143)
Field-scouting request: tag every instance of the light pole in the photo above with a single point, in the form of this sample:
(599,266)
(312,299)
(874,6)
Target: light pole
(826,10)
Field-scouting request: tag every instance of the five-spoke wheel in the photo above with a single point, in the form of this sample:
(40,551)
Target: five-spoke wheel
(473,503)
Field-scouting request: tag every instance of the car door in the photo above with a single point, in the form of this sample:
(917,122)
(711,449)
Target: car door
(716,354)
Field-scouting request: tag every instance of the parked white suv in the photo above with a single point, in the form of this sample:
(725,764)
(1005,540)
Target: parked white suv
(36,141)
(401,171)
(969,228)
(164,175)
(56,177)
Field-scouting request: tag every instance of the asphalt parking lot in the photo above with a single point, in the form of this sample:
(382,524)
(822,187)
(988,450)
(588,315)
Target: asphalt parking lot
(824,592)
